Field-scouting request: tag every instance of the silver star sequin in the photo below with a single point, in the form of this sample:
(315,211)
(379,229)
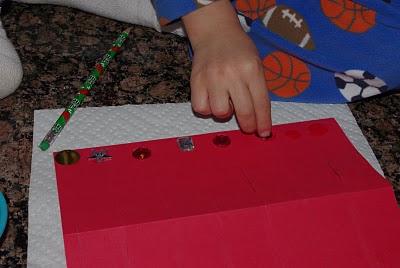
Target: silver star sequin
(99,156)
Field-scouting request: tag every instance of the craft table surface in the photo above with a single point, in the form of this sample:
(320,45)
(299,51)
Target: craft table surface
(58,48)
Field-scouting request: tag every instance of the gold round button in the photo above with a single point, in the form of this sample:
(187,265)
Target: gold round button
(67,157)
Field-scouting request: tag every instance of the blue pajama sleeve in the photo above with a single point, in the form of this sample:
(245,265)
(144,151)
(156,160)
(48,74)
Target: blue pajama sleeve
(327,51)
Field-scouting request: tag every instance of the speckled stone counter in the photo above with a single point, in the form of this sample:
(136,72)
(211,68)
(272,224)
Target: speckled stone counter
(59,47)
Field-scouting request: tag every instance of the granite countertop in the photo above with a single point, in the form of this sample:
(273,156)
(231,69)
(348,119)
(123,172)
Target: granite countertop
(56,48)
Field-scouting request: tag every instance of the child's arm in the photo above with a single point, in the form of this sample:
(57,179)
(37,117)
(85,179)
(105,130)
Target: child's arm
(227,73)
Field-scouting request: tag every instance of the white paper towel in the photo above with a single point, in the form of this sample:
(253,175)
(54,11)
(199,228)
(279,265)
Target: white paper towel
(93,127)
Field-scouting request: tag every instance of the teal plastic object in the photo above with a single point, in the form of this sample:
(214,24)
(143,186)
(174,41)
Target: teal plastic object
(3,214)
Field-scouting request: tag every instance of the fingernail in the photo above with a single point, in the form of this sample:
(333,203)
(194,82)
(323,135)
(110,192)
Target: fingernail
(265,135)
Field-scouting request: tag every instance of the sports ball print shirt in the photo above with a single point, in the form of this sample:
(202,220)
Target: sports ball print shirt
(327,51)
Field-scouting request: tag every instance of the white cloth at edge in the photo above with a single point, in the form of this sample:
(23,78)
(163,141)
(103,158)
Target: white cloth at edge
(92,127)
(10,65)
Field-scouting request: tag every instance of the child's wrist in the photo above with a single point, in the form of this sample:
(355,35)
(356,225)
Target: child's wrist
(213,21)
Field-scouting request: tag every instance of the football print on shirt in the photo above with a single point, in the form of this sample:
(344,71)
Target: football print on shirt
(288,24)
(358,84)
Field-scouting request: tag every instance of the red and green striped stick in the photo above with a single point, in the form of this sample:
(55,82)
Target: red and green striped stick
(83,91)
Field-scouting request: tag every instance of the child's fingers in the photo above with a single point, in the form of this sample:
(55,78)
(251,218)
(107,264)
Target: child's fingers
(262,106)
(244,109)
(220,102)
(199,100)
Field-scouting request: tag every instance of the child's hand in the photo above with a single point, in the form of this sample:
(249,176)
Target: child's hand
(227,73)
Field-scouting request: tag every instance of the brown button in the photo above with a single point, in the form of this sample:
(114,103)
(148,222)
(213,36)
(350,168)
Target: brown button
(221,140)
(141,153)
(67,157)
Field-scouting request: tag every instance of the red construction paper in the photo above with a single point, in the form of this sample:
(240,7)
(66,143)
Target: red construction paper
(304,198)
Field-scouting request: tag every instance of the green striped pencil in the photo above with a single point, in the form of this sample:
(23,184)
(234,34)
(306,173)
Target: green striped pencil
(83,91)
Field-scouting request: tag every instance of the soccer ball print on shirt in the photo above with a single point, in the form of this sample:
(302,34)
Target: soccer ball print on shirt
(358,84)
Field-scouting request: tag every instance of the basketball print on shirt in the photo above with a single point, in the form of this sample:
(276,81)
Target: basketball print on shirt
(358,84)
(285,75)
(254,9)
(164,21)
(289,24)
(349,16)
